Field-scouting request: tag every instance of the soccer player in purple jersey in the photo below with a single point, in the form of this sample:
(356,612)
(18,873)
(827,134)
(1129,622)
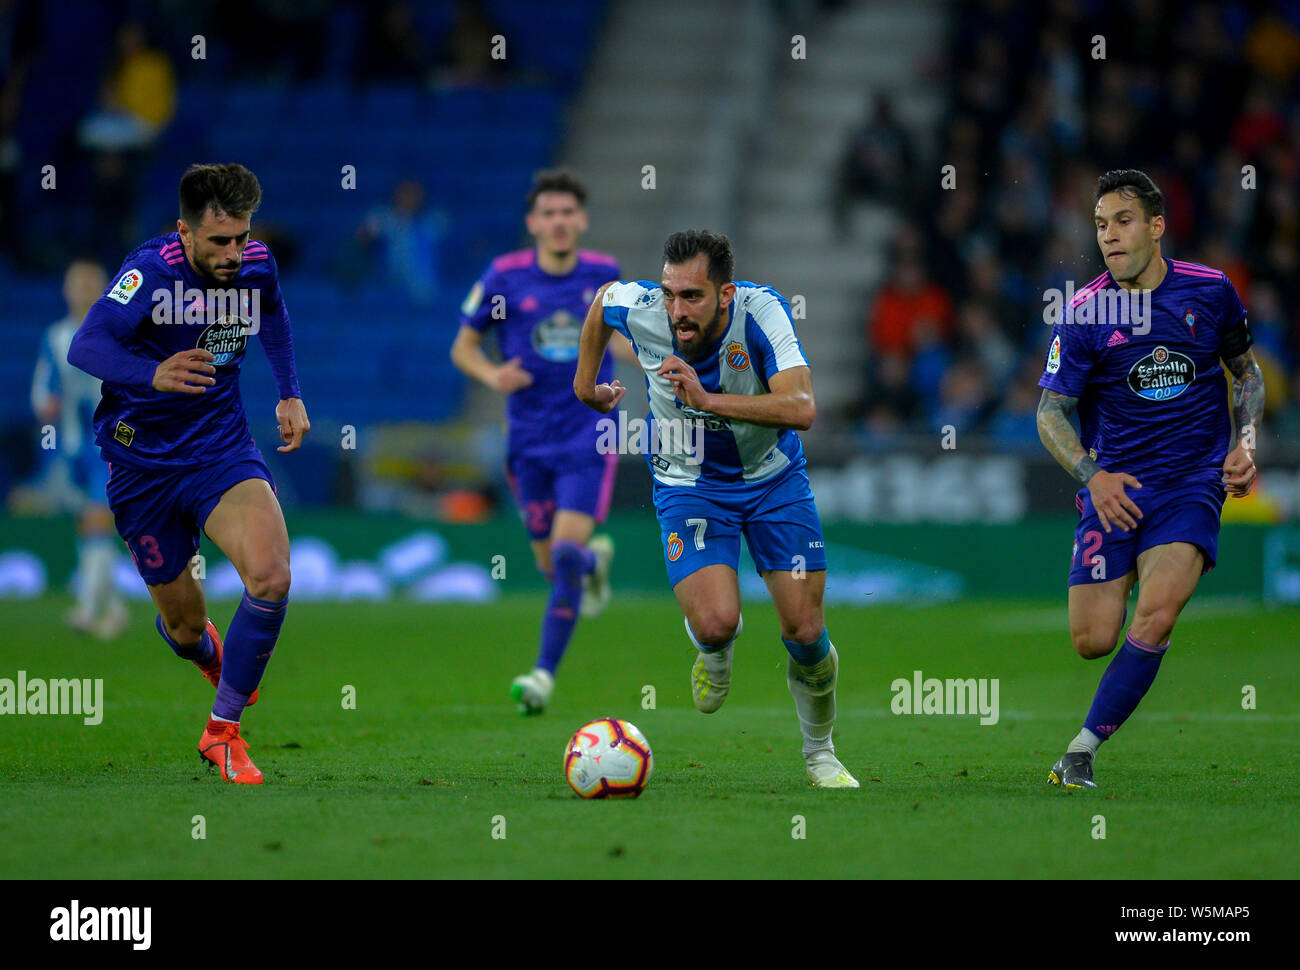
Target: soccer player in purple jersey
(537,299)
(167,340)
(1137,352)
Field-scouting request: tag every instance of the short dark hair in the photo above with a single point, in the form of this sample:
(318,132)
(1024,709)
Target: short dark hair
(1132,184)
(684,246)
(228,189)
(556,180)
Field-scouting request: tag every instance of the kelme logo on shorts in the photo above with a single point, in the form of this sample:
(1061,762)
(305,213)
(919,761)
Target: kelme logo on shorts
(675,547)
(1161,374)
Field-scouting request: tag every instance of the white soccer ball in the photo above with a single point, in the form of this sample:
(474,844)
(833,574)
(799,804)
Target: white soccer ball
(608,758)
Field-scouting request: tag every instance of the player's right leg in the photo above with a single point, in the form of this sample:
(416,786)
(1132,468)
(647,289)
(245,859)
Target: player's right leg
(1102,573)
(710,602)
(701,543)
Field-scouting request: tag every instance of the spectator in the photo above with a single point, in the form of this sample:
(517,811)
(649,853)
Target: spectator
(405,237)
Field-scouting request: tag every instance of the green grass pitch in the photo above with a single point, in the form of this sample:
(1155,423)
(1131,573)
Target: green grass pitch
(433,761)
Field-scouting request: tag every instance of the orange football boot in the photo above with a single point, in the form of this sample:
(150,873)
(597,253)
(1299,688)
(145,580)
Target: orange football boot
(213,670)
(222,746)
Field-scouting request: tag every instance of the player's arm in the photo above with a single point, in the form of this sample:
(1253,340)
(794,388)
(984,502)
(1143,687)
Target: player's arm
(98,348)
(788,403)
(592,343)
(277,343)
(1062,442)
(45,384)
(467,354)
(622,349)
(1247,407)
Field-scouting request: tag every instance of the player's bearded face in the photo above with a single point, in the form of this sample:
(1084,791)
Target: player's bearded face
(699,330)
(216,245)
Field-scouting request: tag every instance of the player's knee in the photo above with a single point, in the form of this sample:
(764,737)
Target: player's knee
(269,581)
(804,630)
(1154,625)
(185,630)
(715,628)
(1092,643)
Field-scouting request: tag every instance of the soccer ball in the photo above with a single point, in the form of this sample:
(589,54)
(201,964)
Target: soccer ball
(608,758)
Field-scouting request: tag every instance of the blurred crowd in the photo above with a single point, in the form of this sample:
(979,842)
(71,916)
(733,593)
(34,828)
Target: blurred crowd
(1042,99)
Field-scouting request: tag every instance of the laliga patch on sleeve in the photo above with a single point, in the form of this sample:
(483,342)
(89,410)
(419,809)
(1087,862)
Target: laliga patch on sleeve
(1054,356)
(124,289)
(472,301)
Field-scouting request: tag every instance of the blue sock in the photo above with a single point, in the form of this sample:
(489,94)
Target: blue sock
(809,654)
(569,562)
(201,653)
(250,641)
(1129,676)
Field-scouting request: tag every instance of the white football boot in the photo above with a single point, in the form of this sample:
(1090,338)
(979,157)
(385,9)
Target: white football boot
(595,585)
(813,689)
(532,691)
(711,672)
(825,771)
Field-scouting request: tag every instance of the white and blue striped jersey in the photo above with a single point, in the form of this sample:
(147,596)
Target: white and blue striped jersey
(759,342)
(77,391)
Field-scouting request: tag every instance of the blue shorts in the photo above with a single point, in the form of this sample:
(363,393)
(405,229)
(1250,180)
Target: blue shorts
(1170,513)
(543,484)
(780,524)
(160,514)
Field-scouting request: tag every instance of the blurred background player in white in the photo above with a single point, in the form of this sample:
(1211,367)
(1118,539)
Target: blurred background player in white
(65,399)
(724,357)
(536,299)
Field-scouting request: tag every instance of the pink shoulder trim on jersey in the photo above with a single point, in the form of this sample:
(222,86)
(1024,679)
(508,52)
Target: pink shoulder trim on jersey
(1195,269)
(1090,289)
(593,256)
(516,260)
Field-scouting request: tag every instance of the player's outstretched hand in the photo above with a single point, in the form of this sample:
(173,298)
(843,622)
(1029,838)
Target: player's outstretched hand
(1111,502)
(608,396)
(292,418)
(510,377)
(1239,472)
(187,372)
(686,383)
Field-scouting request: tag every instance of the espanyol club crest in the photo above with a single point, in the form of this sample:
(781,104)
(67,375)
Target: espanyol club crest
(737,359)
(675,547)
(1189,318)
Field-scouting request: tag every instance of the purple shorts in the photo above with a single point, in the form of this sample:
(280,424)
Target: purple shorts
(1170,513)
(544,484)
(161,514)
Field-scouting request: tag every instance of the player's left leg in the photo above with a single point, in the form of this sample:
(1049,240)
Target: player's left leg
(564,559)
(812,669)
(1167,577)
(785,539)
(247,525)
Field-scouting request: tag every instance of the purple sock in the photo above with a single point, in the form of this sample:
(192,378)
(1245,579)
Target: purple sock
(1128,677)
(570,563)
(201,652)
(250,641)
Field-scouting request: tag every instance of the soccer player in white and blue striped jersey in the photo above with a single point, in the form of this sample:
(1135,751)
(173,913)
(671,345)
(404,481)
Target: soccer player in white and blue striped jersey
(728,387)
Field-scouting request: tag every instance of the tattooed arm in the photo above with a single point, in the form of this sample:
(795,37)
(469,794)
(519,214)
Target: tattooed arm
(1059,437)
(1107,489)
(1247,406)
